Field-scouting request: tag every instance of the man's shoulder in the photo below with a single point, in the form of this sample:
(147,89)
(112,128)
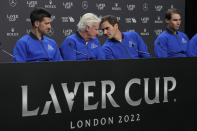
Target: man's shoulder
(130,32)
(131,35)
(73,36)
(182,33)
(23,40)
(194,37)
(163,35)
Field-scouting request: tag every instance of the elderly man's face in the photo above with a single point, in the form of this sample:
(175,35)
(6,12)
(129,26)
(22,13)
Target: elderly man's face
(93,31)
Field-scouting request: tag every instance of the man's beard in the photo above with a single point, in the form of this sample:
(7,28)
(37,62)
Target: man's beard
(43,33)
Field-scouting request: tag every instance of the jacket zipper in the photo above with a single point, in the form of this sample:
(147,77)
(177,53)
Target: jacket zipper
(44,49)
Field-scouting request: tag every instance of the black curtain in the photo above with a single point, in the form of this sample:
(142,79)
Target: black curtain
(190,17)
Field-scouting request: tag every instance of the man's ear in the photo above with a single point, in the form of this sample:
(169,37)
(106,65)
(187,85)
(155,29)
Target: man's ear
(36,24)
(116,26)
(167,21)
(87,28)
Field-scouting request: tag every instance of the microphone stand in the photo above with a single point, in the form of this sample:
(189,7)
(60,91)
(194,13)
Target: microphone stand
(7,53)
(139,50)
(79,51)
(170,50)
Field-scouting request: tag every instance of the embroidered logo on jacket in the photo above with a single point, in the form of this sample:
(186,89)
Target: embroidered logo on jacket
(50,47)
(184,40)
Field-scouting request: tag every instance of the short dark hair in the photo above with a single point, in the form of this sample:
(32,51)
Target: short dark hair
(110,18)
(38,14)
(169,12)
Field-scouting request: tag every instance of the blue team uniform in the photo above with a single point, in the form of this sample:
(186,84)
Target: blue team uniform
(168,44)
(75,47)
(131,47)
(192,47)
(29,48)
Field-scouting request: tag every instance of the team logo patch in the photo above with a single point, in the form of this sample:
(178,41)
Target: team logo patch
(184,40)
(50,47)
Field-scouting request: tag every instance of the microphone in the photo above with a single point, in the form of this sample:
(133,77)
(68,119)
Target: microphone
(6,52)
(139,51)
(89,58)
(182,52)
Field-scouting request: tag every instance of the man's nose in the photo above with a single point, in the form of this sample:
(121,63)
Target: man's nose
(49,26)
(105,32)
(97,32)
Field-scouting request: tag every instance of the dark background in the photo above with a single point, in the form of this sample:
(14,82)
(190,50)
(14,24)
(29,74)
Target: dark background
(190,15)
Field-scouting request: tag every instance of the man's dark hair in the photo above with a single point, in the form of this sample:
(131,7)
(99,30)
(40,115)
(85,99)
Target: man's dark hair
(38,14)
(170,12)
(110,18)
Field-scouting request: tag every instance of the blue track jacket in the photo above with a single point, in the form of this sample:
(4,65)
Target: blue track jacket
(192,48)
(29,49)
(168,44)
(74,47)
(132,46)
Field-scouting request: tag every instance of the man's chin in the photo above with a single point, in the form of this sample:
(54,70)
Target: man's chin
(178,28)
(92,38)
(108,37)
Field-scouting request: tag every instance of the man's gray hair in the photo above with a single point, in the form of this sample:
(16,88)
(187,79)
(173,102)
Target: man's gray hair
(88,19)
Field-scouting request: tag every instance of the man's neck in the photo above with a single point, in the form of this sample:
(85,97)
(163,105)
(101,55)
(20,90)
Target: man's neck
(118,36)
(37,34)
(172,31)
(84,35)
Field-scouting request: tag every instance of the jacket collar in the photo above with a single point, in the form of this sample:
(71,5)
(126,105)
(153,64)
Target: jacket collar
(34,36)
(114,40)
(170,31)
(78,34)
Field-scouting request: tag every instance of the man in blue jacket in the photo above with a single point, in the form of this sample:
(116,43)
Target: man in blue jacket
(121,45)
(171,42)
(192,48)
(36,46)
(83,45)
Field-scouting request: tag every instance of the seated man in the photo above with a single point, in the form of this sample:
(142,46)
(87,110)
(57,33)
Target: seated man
(125,45)
(83,45)
(36,46)
(192,47)
(171,42)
